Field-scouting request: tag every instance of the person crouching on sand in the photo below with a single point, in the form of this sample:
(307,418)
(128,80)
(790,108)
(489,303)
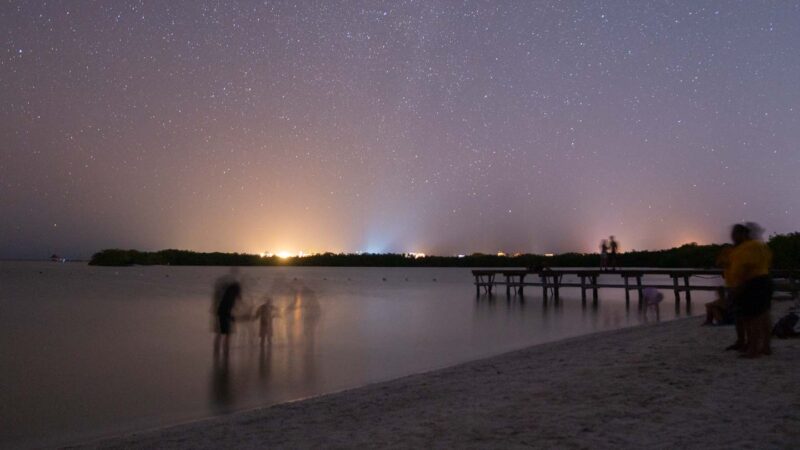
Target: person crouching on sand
(265,314)
(751,290)
(652,299)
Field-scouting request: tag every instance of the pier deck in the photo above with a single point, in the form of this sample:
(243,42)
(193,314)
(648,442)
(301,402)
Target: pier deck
(551,281)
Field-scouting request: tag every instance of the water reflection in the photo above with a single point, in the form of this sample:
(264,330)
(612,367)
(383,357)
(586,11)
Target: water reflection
(277,345)
(563,311)
(222,394)
(333,329)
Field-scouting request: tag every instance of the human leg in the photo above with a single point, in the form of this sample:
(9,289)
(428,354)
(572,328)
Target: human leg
(741,335)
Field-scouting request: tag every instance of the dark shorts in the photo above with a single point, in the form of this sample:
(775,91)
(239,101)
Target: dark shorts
(754,297)
(224,324)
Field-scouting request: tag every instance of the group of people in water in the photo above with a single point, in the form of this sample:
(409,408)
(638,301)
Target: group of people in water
(293,301)
(747,296)
(227,297)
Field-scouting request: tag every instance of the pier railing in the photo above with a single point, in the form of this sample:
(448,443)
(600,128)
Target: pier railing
(551,281)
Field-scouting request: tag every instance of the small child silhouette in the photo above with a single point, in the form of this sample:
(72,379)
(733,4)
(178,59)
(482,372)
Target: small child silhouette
(264,314)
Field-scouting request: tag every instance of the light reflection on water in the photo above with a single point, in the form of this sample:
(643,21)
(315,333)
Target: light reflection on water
(89,351)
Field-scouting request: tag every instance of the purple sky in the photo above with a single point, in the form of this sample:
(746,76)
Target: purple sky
(438,126)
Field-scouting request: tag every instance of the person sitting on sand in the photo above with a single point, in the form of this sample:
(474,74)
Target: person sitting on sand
(718,312)
(265,314)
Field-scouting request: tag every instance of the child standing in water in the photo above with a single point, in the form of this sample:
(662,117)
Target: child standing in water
(264,314)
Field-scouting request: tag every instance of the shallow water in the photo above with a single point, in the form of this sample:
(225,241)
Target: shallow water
(92,351)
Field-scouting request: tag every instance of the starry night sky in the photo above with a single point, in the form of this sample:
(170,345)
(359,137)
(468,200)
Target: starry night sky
(432,126)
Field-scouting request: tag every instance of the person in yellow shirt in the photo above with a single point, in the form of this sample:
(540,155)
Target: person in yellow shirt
(747,277)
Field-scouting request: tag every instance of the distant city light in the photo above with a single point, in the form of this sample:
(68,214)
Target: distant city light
(462,256)
(415,255)
(501,254)
(549,255)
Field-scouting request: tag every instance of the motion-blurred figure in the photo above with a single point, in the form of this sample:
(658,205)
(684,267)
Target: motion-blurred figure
(227,292)
(719,312)
(614,248)
(265,314)
(751,290)
(652,297)
(603,254)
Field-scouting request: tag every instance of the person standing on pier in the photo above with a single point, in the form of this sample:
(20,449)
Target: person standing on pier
(614,247)
(603,254)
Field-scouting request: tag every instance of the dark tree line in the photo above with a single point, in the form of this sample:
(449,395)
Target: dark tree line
(785,248)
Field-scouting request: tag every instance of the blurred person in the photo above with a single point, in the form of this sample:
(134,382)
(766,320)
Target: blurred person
(614,249)
(227,292)
(603,254)
(751,289)
(652,299)
(718,311)
(265,315)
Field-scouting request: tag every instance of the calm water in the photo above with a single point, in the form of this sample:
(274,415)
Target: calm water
(89,351)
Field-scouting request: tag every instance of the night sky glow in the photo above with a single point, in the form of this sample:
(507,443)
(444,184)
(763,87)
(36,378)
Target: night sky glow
(432,126)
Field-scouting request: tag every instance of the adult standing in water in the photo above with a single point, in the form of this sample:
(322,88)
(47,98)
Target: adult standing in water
(614,247)
(228,291)
(751,290)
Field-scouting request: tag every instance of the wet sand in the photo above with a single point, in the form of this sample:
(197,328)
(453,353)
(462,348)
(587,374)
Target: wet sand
(663,385)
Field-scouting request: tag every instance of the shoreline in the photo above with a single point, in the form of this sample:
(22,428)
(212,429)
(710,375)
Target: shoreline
(663,384)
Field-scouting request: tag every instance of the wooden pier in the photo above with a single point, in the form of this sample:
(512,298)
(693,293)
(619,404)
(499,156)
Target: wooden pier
(551,281)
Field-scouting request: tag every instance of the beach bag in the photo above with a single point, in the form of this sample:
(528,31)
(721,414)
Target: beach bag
(787,326)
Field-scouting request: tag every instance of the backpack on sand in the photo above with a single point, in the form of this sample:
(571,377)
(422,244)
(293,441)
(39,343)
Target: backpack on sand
(787,326)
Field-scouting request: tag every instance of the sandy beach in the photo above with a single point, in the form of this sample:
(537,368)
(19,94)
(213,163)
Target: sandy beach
(663,385)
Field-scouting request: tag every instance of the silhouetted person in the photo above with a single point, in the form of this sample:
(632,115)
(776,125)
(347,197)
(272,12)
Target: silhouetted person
(228,291)
(265,314)
(603,254)
(751,290)
(614,248)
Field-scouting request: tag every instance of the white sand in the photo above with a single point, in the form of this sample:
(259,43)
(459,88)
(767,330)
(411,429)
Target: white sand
(667,385)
